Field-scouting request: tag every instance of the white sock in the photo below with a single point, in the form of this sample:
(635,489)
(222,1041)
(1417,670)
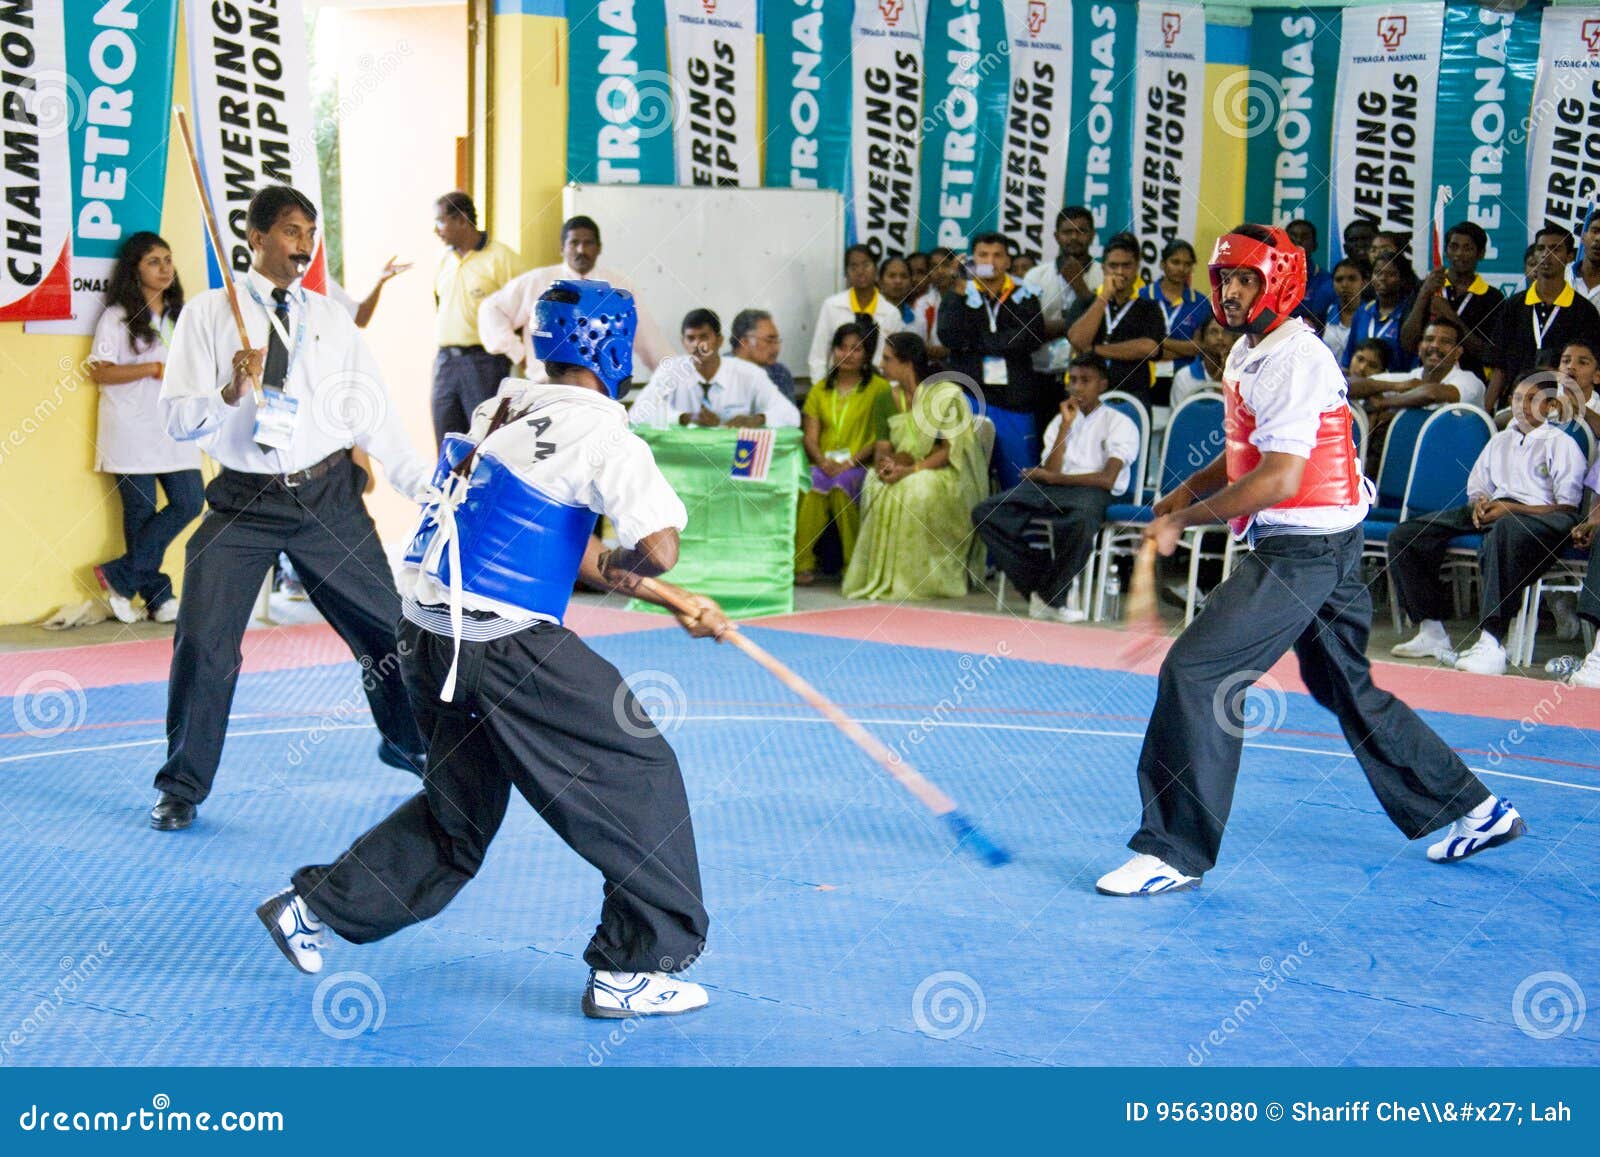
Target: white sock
(1481,812)
(1490,638)
(1434,630)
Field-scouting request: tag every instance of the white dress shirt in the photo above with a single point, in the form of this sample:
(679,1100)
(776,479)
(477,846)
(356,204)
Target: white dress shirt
(129,437)
(835,312)
(510,307)
(1093,440)
(1469,386)
(1541,467)
(1055,298)
(1191,380)
(342,398)
(738,389)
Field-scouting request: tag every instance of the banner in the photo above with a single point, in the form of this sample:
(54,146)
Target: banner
(969,78)
(885,123)
(1033,159)
(248,78)
(120,58)
(1170,115)
(1384,131)
(1284,107)
(1563,140)
(808,94)
(1101,166)
(621,104)
(712,45)
(36,111)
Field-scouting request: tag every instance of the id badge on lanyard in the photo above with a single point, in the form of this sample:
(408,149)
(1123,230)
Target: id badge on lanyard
(1165,369)
(275,420)
(1540,332)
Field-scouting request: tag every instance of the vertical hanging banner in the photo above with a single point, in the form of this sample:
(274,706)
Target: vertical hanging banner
(249,79)
(1564,134)
(120,56)
(1486,89)
(885,123)
(1033,160)
(967,55)
(808,94)
(1284,107)
(1384,129)
(1169,124)
(1099,172)
(37,108)
(621,103)
(712,46)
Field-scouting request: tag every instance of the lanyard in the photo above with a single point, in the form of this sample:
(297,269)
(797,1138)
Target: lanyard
(163,330)
(1170,314)
(1115,319)
(1384,329)
(272,319)
(839,404)
(994,310)
(1539,331)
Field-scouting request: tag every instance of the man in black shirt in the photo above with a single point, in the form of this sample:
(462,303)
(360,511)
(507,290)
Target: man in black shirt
(1124,330)
(1537,325)
(1454,292)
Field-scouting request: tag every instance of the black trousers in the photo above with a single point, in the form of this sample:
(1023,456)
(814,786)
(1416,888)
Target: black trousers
(1075,514)
(1305,592)
(328,535)
(1589,596)
(541,712)
(464,377)
(1516,550)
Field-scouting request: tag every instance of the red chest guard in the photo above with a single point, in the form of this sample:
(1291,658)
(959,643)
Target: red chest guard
(1332,476)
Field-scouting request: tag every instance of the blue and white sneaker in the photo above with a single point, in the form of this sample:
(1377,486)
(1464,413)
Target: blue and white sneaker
(615,995)
(1145,876)
(1472,833)
(295,929)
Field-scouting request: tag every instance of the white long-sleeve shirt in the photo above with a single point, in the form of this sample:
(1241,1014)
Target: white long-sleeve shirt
(738,389)
(342,398)
(510,307)
(835,312)
(1539,467)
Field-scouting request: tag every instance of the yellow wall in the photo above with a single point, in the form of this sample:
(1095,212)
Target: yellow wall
(1221,176)
(529,92)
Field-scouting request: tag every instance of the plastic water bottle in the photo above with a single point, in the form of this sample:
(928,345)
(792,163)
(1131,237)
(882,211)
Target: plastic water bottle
(1563,665)
(1114,593)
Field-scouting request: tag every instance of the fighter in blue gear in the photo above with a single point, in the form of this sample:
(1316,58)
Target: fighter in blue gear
(507,697)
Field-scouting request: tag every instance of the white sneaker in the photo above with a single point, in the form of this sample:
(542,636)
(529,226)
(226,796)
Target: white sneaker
(1485,657)
(1587,675)
(1564,605)
(295,929)
(1500,824)
(1145,876)
(1038,608)
(1430,642)
(167,612)
(616,995)
(1070,615)
(124,608)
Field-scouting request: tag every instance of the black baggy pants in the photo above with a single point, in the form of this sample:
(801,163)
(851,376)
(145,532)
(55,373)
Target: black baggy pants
(1305,592)
(1516,550)
(329,537)
(464,377)
(541,712)
(1075,514)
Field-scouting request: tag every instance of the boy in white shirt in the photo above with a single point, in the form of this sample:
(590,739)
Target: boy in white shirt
(1439,380)
(1523,495)
(1584,538)
(706,389)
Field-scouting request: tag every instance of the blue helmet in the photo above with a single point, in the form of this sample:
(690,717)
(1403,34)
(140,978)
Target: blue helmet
(588,324)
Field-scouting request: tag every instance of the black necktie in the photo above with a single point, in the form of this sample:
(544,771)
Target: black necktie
(277,367)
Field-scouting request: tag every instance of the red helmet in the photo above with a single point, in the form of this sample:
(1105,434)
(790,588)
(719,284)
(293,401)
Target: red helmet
(1281,264)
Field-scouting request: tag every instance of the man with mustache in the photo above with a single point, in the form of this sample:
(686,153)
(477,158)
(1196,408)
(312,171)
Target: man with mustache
(280,418)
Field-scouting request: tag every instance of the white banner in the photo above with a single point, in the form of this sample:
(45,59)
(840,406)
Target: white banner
(712,47)
(251,90)
(1563,143)
(1033,163)
(886,123)
(1169,111)
(1389,59)
(37,108)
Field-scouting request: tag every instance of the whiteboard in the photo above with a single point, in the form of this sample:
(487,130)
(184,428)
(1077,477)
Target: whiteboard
(726,249)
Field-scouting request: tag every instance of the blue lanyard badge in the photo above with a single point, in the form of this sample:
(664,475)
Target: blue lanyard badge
(272,320)
(275,419)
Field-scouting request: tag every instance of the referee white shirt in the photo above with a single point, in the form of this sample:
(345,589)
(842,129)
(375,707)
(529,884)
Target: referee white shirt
(343,401)
(510,308)
(738,389)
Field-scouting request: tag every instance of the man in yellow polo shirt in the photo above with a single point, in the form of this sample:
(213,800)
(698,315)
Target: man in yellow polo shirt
(471,268)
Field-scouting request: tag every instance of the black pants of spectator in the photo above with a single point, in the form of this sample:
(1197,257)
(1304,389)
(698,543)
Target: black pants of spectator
(1075,514)
(148,532)
(541,712)
(1516,550)
(1589,596)
(464,377)
(1305,592)
(328,535)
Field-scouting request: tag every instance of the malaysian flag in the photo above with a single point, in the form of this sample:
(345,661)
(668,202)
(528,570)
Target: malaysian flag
(752,454)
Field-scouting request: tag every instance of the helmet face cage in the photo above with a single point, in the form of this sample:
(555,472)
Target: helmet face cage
(1282,267)
(588,324)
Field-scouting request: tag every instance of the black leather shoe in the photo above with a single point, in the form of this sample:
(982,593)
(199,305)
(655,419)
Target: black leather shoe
(388,753)
(171,814)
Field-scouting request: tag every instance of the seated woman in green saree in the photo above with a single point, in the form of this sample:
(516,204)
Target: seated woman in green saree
(916,539)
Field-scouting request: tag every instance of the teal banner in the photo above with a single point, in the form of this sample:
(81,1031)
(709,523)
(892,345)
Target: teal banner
(621,108)
(1485,93)
(967,60)
(1284,106)
(808,94)
(1100,169)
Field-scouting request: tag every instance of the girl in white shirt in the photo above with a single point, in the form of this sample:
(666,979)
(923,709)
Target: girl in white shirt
(143,300)
(863,303)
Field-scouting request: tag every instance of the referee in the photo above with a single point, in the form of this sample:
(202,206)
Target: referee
(287,484)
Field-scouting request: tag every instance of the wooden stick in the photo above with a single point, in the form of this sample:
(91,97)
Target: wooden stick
(215,233)
(1143,617)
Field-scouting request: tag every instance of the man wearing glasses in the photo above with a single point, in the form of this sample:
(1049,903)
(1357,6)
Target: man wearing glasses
(755,339)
